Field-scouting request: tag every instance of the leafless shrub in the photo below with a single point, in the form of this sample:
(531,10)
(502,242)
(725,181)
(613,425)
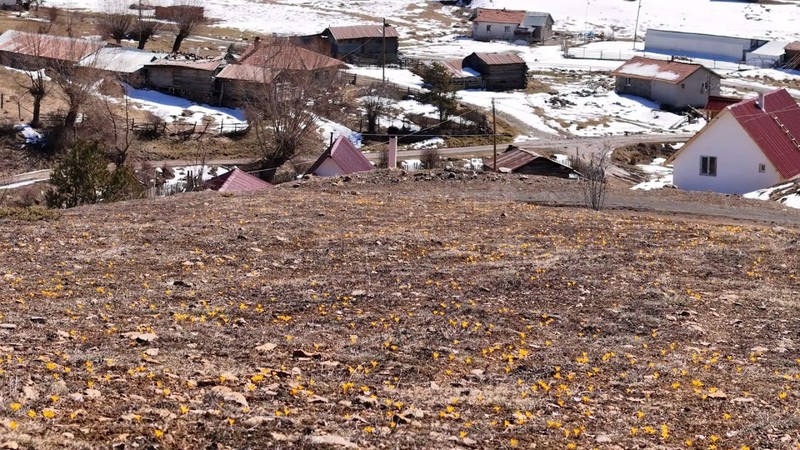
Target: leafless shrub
(595,182)
(145,30)
(187,16)
(430,158)
(383,158)
(115,23)
(375,104)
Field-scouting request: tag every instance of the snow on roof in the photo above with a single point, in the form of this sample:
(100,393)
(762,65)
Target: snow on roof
(46,46)
(774,48)
(189,62)
(120,59)
(655,69)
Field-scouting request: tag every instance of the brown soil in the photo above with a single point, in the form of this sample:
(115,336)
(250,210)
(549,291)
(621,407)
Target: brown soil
(431,310)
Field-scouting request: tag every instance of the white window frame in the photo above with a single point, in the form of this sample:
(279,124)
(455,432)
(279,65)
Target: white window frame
(710,162)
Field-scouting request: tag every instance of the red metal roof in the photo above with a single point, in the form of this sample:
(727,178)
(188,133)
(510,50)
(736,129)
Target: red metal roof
(285,56)
(242,72)
(515,158)
(362,32)
(499,59)
(656,69)
(718,103)
(346,156)
(47,46)
(775,128)
(237,181)
(498,16)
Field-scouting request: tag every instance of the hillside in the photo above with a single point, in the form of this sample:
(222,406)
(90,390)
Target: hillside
(390,311)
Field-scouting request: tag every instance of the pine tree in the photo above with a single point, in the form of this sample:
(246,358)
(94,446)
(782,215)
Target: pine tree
(441,92)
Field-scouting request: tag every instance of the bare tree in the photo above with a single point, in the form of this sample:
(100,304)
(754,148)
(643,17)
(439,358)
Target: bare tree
(187,15)
(116,23)
(595,180)
(38,89)
(145,30)
(283,114)
(375,104)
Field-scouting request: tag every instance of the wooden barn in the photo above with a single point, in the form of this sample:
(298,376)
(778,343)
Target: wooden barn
(185,76)
(461,77)
(238,82)
(499,71)
(370,43)
(30,51)
(523,161)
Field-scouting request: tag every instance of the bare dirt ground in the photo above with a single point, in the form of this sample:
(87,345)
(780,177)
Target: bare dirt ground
(403,311)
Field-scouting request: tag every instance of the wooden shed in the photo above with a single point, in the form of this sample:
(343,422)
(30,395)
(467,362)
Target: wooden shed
(238,82)
(461,77)
(499,71)
(520,160)
(185,76)
(370,43)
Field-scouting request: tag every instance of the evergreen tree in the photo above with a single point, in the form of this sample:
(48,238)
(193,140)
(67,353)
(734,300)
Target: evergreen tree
(441,92)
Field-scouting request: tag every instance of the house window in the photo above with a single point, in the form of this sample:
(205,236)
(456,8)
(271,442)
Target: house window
(683,85)
(704,87)
(628,81)
(708,166)
(488,28)
(508,29)
(762,168)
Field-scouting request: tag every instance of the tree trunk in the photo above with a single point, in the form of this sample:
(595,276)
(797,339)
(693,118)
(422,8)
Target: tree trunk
(142,41)
(37,106)
(176,47)
(70,119)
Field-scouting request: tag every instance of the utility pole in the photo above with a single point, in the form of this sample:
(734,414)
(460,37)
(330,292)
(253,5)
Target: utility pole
(383,66)
(494,136)
(636,28)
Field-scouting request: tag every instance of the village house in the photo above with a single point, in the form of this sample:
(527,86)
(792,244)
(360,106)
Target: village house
(185,76)
(461,77)
(370,43)
(524,161)
(672,84)
(700,45)
(341,158)
(511,25)
(30,51)
(499,71)
(751,145)
(263,63)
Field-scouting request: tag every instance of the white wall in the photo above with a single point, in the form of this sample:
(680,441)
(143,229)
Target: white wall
(722,47)
(738,158)
(328,168)
(498,31)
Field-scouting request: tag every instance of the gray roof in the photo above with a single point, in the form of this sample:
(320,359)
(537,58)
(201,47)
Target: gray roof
(536,19)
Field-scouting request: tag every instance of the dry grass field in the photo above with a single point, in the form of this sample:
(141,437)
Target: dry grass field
(392,311)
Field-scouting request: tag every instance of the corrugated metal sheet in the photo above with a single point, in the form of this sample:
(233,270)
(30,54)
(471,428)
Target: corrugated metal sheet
(718,103)
(499,59)
(346,156)
(498,16)
(512,159)
(237,181)
(248,73)
(46,46)
(536,19)
(362,32)
(775,127)
(209,65)
(286,56)
(656,69)
(120,59)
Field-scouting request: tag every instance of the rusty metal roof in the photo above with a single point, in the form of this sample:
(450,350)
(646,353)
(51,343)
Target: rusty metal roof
(286,56)
(673,72)
(362,32)
(499,59)
(345,155)
(253,74)
(237,181)
(512,159)
(717,103)
(46,46)
(775,128)
(793,46)
(498,16)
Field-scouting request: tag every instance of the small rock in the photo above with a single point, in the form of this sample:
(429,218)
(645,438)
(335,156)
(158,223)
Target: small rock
(266,348)
(257,421)
(7,326)
(226,394)
(330,439)
(151,352)
(603,439)
(38,319)
(316,399)
(141,338)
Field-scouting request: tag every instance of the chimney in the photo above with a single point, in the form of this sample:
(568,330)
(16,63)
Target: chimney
(257,41)
(391,153)
(761,100)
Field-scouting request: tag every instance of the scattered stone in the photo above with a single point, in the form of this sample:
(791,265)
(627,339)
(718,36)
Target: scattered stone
(151,352)
(38,319)
(316,399)
(718,395)
(225,394)
(603,439)
(141,338)
(266,348)
(302,354)
(257,421)
(7,326)
(330,439)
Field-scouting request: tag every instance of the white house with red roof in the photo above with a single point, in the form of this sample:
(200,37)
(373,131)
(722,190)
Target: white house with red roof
(751,145)
(672,84)
(341,158)
(511,25)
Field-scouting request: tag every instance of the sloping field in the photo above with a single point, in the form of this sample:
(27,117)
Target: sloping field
(387,312)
